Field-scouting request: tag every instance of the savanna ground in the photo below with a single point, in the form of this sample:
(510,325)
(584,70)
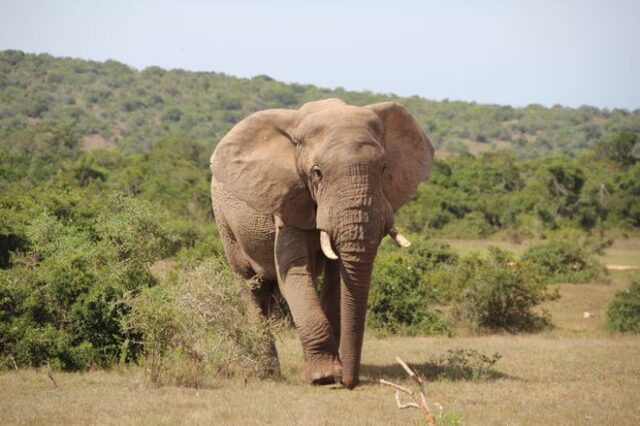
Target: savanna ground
(578,373)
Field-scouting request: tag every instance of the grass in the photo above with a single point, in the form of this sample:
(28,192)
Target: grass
(622,252)
(578,373)
(547,380)
(465,247)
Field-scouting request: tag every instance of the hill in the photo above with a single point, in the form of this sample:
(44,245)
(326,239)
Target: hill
(112,104)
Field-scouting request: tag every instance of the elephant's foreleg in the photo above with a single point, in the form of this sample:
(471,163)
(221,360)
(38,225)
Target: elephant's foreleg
(330,296)
(295,280)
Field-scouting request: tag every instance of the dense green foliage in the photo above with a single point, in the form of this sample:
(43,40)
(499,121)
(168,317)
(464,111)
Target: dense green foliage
(406,285)
(496,293)
(475,197)
(61,300)
(500,294)
(624,311)
(79,231)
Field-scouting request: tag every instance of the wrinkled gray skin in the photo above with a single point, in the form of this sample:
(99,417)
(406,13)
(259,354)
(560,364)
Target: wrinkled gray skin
(280,177)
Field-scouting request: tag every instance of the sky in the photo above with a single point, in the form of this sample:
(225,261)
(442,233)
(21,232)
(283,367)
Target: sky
(566,52)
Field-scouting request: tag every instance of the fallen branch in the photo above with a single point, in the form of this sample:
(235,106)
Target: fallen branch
(419,403)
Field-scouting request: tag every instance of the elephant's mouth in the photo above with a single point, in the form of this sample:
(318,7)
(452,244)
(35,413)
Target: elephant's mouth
(329,252)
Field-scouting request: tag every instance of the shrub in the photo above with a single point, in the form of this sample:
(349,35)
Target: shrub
(563,261)
(405,285)
(624,310)
(172,114)
(500,293)
(199,324)
(461,364)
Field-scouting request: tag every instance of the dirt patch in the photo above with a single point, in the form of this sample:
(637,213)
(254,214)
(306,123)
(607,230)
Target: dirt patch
(632,243)
(614,267)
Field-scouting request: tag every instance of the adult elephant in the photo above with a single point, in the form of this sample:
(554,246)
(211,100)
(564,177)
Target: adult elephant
(289,185)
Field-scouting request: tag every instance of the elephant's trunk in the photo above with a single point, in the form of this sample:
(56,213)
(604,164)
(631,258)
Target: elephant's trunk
(354,277)
(360,224)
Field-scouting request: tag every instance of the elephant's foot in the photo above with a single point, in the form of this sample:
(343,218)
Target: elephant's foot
(325,370)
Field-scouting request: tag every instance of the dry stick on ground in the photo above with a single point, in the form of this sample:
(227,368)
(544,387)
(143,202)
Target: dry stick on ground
(421,403)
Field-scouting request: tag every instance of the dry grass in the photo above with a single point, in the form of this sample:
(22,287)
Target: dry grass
(578,373)
(623,252)
(573,380)
(465,247)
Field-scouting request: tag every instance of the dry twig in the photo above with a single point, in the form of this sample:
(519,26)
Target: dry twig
(15,364)
(50,375)
(419,403)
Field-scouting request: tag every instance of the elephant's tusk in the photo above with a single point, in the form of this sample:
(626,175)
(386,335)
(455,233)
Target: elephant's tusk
(398,238)
(325,245)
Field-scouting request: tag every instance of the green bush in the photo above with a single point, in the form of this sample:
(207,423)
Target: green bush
(405,286)
(499,294)
(563,261)
(200,325)
(624,310)
(61,302)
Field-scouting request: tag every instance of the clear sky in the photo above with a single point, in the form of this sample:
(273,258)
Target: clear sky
(515,52)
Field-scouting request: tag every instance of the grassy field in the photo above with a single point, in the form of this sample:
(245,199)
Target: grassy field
(623,252)
(578,373)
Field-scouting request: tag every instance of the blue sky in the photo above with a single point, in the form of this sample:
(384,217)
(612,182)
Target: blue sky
(564,52)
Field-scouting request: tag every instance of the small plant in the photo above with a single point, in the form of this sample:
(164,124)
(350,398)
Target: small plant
(449,418)
(461,364)
(624,310)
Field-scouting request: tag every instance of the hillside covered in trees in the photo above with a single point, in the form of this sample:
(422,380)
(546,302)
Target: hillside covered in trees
(112,104)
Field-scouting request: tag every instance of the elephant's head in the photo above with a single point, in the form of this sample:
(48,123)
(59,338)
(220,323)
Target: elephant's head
(341,169)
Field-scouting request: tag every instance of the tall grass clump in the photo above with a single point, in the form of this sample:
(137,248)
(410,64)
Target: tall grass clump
(199,325)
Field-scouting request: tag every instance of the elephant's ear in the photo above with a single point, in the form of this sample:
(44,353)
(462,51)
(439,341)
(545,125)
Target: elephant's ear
(409,153)
(255,162)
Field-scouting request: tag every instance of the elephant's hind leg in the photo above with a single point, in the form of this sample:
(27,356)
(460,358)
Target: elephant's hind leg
(262,302)
(238,260)
(260,297)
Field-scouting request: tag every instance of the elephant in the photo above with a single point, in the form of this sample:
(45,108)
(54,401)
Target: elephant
(301,193)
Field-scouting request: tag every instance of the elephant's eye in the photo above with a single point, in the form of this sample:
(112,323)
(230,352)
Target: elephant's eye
(316,174)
